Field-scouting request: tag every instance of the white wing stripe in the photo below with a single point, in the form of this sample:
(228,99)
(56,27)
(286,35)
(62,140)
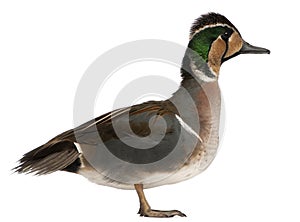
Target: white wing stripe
(188,128)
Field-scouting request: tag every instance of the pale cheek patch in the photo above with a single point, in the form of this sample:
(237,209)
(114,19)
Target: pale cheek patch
(215,55)
(235,44)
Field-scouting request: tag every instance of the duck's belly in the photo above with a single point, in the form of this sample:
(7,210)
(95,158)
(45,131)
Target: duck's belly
(196,164)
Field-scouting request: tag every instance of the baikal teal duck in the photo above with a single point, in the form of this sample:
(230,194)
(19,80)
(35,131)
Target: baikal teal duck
(213,40)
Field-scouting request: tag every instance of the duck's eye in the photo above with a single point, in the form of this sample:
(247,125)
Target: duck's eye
(226,36)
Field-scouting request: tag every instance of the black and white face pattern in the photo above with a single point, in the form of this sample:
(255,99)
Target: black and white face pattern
(216,40)
(225,46)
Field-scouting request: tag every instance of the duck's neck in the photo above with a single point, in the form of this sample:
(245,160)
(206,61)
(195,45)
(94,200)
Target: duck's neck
(206,97)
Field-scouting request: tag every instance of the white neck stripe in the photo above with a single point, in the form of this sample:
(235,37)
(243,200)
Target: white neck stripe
(201,75)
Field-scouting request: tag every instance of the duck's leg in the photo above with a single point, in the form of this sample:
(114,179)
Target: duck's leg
(145,209)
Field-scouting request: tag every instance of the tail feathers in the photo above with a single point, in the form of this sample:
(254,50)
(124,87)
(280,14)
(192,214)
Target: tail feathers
(48,158)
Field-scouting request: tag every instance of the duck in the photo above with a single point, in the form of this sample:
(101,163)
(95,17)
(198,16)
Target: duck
(154,143)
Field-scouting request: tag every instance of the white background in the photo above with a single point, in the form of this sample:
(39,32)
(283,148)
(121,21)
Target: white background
(46,47)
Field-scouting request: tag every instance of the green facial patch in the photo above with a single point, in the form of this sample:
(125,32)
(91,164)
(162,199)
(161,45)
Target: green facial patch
(201,42)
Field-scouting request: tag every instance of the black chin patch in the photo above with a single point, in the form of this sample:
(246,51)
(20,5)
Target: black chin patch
(227,58)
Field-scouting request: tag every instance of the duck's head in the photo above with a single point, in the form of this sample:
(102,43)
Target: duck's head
(215,39)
